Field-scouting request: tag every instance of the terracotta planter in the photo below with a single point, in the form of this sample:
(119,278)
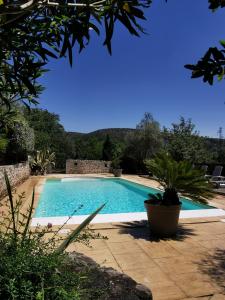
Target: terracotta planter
(162,219)
(117,172)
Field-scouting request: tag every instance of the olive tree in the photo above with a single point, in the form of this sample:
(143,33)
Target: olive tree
(143,143)
(16,138)
(183,142)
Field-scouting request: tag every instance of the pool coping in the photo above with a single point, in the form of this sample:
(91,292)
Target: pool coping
(122,217)
(118,217)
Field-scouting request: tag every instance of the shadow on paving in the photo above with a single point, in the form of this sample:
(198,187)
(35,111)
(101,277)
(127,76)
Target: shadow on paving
(140,230)
(214,266)
(105,283)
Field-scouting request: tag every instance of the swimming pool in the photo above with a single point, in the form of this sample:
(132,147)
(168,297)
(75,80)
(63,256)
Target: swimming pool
(80,196)
(83,196)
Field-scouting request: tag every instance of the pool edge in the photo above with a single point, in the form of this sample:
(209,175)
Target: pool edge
(122,217)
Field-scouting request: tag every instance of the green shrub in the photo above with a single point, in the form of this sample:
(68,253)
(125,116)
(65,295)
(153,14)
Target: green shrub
(34,267)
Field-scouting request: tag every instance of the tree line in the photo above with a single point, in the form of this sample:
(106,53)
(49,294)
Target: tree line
(34,36)
(37,129)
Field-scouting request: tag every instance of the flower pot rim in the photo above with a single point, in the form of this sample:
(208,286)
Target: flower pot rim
(148,202)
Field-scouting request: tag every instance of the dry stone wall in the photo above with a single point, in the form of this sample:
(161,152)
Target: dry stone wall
(76,166)
(16,173)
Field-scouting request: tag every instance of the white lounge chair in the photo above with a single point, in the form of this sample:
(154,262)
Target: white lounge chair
(218,183)
(216,179)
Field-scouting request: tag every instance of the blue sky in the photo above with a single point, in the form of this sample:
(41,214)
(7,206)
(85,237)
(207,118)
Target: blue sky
(144,74)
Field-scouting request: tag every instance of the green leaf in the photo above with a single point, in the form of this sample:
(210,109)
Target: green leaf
(95,28)
(220,76)
(29,85)
(49,53)
(40,296)
(70,54)
(190,67)
(137,13)
(222,43)
(126,22)
(217,54)
(29,216)
(126,7)
(109,32)
(77,231)
(65,44)
(197,73)
(9,190)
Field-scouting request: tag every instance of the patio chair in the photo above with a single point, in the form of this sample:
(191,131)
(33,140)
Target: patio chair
(218,183)
(216,179)
(216,174)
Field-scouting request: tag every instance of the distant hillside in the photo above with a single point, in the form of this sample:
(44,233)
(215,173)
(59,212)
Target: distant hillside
(118,134)
(75,134)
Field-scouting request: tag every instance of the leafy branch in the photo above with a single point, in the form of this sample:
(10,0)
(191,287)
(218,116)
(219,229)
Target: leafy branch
(212,64)
(33,32)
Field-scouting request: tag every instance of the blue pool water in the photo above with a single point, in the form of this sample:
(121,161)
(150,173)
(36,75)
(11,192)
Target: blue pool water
(61,198)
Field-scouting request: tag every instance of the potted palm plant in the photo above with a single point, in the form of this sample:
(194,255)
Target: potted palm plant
(176,178)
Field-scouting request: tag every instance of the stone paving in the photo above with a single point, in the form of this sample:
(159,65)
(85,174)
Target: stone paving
(189,266)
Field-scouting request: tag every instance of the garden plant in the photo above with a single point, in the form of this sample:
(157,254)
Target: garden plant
(33,266)
(177,178)
(42,161)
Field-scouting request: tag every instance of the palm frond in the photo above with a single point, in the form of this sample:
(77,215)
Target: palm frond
(77,231)
(181,177)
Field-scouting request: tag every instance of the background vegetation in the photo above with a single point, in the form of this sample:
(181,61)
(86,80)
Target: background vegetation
(30,130)
(31,33)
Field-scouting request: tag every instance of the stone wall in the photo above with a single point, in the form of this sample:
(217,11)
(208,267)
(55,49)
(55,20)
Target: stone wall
(16,173)
(77,166)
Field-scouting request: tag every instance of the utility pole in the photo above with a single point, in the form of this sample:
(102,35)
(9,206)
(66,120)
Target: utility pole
(220,133)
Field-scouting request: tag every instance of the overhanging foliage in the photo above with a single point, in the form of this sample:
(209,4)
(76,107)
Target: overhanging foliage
(32,32)
(212,64)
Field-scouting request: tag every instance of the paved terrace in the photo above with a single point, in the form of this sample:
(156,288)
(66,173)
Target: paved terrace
(189,266)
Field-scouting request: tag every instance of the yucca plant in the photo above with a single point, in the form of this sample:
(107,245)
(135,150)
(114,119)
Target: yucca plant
(42,161)
(178,177)
(33,266)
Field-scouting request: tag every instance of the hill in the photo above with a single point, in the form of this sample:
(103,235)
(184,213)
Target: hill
(118,134)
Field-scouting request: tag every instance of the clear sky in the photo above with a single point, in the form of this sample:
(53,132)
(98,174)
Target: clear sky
(144,74)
